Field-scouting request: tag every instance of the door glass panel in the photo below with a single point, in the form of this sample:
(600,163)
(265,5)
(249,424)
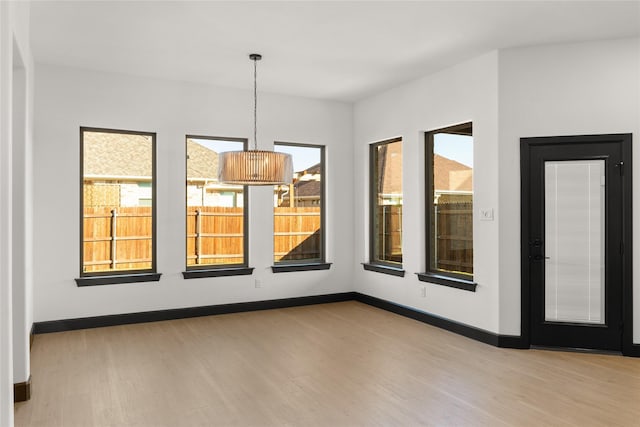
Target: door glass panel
(574,241)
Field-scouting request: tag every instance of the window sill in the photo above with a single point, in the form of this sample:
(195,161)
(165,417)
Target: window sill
(452,282)
(118,279)
(384,269)
(287,268)
(217,272)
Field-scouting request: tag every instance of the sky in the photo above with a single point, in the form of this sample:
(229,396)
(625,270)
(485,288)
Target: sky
(303,157)
(454,147)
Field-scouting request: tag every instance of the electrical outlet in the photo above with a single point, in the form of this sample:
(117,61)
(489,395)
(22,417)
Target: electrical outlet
(257,283)
(423,291)
(486,214)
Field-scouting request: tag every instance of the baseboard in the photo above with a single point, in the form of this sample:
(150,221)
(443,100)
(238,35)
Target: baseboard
(182,313)
(22,391)
(487,337)
(506,341)
(632,351)
(512,341)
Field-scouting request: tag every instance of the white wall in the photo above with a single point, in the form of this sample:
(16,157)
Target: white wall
(572,89)
(68,98)
(16,308)
(22,261)
(466,92)
(6,330)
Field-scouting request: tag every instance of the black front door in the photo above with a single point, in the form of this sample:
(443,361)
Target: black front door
(573,239)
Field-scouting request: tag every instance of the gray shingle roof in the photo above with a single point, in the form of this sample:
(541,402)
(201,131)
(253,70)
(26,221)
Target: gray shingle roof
(202,162)
(307,189)
(109,154)
(112,155)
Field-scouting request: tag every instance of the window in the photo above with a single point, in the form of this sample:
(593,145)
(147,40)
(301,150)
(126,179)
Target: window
(216,230)
(298,213)
(385,200)
(449,184)
(118,206)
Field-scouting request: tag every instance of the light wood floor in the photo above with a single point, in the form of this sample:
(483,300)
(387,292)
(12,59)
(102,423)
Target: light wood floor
(337,364)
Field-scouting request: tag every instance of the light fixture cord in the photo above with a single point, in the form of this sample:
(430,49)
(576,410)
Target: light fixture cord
(255,104)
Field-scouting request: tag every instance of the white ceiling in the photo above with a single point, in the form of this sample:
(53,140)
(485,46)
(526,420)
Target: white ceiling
(323,49)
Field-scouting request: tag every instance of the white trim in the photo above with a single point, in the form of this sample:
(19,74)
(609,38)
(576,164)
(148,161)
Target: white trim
(6,302)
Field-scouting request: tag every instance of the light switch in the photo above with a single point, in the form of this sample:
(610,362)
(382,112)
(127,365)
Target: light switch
(486,214)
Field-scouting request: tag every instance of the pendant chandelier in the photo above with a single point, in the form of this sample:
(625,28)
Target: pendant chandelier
(255,167)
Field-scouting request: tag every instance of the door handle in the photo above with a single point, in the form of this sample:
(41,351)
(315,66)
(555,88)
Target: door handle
(536,250)
(538,258)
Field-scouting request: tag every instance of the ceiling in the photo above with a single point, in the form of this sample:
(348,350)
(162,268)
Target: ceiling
(339,50)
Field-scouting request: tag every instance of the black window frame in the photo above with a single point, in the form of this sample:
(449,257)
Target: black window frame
(455,280)
(219,270)
(120,276)
(312,263)
(374,264)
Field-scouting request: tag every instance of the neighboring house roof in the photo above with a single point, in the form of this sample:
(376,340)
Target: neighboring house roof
(109,154)
(451,175)
(307,189)
(390,173)
(315,169)
(117,155)
(202,163)
(308,186)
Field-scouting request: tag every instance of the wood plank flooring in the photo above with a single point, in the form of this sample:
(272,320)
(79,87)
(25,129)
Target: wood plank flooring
(342,364)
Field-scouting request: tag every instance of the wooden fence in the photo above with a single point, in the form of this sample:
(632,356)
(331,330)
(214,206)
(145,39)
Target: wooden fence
(296,233)
(214,235)
(453,243)
(120,238)
(454,237)
(389,233)
(117,238)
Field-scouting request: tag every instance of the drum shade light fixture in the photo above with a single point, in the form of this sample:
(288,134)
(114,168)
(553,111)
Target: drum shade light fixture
(255,167)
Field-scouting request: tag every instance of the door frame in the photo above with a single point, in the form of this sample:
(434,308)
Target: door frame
(624,140)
